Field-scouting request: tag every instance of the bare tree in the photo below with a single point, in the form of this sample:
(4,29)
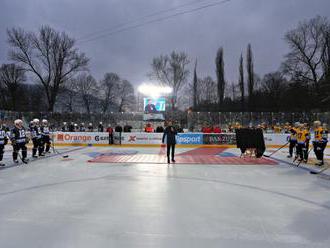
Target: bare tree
(326,55)
(171,71)
(207,90)
(69,94)
(250,72)
(49,55)
(221,84)
(109,88)
(126,97)
(12,76)
(325,81)
(195,87)
(273,84)
(308,48)
(185,98)
(241,82)
(233,88)
(3,96)
(86,86)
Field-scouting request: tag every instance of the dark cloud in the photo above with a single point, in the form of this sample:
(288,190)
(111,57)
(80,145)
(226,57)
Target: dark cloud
(263,23)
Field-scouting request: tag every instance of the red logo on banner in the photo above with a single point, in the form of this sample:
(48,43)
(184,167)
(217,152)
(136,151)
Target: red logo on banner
(132,138)
(60,137)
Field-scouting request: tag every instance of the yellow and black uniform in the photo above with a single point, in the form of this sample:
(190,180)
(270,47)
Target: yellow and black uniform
(277,129)
(307,144)
(320,143)
(237,126)
(292,140)
(303,137)
(287,128)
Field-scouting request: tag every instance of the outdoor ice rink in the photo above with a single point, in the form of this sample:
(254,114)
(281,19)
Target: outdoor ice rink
(127,197)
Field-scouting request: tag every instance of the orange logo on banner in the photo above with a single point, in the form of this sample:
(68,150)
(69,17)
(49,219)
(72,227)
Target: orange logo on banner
(60,137)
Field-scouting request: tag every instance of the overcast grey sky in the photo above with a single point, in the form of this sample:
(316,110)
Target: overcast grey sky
(233,25)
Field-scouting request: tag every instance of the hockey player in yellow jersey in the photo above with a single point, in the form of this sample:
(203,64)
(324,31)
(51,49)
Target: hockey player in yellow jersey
(306,151)
(320,142)
(277,128)
(287,127)
(238,125)
(303,137)
(293,139)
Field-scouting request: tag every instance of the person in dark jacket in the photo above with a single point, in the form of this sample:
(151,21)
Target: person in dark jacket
(119,129)
(90,127)
(71,127)
(159,129)
(170,135)
(127,128)
(64,127)
(100,128)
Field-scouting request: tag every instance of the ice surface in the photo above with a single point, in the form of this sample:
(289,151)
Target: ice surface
(56,202)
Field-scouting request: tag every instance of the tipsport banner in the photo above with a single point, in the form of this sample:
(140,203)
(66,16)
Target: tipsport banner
(189,138)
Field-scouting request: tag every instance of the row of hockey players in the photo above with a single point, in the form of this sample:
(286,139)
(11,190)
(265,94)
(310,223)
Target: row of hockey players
(74,127)
(300,138)
(39,134)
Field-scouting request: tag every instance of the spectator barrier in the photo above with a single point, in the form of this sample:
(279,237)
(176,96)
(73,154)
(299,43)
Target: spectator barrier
(155,139)
(193,121)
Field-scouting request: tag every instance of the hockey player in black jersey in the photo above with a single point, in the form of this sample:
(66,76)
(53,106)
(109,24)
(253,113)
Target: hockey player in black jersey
(82,127)
(18,140)
(38,140)
(3,142)
(35,136)
(45,133)
(64,127)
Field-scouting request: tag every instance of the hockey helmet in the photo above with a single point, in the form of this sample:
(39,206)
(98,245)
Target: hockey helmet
(36,121)
(18,123)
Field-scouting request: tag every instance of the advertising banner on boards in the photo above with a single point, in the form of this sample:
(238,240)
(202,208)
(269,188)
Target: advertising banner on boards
(156,138)
(219,139)
(141,138)
(189,138)
(81,138)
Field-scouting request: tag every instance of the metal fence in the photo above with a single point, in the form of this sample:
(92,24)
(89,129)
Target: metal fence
(222,119)
(193,121)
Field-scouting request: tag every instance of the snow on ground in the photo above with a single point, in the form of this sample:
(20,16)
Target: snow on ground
(80,202)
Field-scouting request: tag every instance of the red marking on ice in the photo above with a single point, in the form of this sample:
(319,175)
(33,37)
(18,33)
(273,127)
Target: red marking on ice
(203,151)
(182,159)
(162,150)
(66,159)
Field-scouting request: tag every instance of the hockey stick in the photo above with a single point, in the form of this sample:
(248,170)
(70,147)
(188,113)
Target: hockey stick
(319,172)
(296,156)
(20,157)
(302,159)
(55,150)
(59,153)
(268,156)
